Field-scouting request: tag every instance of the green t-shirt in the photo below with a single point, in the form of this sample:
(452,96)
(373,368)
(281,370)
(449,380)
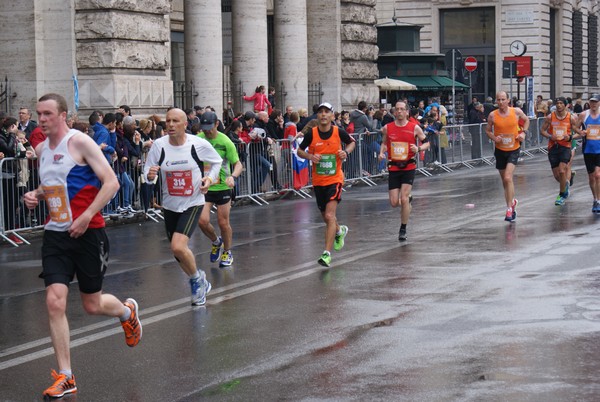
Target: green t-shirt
(226,150)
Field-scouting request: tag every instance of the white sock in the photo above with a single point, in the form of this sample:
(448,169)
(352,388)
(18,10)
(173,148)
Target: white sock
(68,373)
(196,275)
(327,252)
(217,242)
(126,314)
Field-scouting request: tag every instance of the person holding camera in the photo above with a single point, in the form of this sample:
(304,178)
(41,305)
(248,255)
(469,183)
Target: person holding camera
(362,117)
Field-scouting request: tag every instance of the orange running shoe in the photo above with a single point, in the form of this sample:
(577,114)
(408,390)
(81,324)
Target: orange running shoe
(133,326)
(62,385)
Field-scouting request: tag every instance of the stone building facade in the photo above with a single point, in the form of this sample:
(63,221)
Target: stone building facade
(120,51)
(117,51)
(561,37)
(359,52)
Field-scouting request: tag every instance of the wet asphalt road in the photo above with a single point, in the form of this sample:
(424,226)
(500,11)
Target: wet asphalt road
(471,308)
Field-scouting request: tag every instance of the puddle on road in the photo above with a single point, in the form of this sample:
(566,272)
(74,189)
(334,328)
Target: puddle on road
(357,333)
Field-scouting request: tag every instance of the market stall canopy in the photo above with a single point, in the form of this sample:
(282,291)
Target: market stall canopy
(390,84)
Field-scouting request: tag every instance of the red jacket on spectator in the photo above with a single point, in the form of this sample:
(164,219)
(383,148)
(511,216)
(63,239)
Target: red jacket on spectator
(261,101)
(37,136)
(289,132)
(245,137)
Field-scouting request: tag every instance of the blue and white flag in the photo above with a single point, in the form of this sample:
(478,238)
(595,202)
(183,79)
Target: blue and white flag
(76,92)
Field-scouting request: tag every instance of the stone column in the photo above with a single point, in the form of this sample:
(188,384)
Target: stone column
(203,51)
(291,66)
(324,49)
(250,53)
(123,54)
(359,52)
(37,50)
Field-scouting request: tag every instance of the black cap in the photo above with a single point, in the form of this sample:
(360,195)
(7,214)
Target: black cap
(561,99)
(249,115)
(207,121)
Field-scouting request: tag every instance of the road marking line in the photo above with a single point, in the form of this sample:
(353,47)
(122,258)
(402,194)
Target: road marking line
(285,276)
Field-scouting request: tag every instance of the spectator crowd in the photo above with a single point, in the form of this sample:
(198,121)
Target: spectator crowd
(265,137)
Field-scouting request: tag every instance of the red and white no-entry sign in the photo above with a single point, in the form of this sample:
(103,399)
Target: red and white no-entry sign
(470,64)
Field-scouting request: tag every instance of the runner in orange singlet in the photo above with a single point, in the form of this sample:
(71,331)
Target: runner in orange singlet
(323,147)
(503,130)
(558,127)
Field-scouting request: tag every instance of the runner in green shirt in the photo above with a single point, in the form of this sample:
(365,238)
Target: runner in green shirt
(219,193)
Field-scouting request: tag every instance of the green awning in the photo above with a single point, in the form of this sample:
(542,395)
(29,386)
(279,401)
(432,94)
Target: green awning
(432,82)
(447,82)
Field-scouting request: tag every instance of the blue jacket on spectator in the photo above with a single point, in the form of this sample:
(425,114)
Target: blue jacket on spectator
(101,135)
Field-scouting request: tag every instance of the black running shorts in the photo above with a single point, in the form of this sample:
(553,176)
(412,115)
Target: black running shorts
(182,222)
(558,154)
(63,257)
(325,194)
(218,197)
(399,177)
(592,161)
(503,158)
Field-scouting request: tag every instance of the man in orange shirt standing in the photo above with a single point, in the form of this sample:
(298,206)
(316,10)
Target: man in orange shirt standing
(503,130)
(323,147)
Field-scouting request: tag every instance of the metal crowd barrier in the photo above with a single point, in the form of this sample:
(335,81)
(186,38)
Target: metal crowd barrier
(468,145)
(268,171)
(18,176)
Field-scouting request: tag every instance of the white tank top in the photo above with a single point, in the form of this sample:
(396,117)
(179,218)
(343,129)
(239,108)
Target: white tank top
(69,188)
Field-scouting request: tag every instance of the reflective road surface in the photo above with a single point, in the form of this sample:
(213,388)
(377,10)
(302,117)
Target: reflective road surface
(470,308)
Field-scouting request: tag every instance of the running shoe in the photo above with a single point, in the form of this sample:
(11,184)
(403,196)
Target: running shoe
(226,259)
(560,200)
(511,215)
(132,326)
(216,250)
(325,260)
(567,192)
(200,288)
(402,235)
(338,243)
(572,177)
(596,207)
(62,385)
(514,204)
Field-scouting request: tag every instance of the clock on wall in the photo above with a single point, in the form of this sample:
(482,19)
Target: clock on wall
(518,48)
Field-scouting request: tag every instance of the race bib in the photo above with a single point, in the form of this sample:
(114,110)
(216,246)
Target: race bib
(560,133)
(327,166)
(593,132)
(399,151)
(179,183)
(57,202)
(508,141)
